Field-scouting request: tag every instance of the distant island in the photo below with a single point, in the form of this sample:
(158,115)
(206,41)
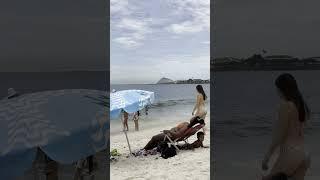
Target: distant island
(189,81)
(259,62)
(165,81)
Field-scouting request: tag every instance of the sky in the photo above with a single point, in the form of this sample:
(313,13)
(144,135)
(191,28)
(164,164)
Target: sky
(56,35)
(151,39)
(242,28)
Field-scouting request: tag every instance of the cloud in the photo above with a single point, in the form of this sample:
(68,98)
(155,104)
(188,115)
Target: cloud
(119,7)
(152,39)
(198,13)
(128,42)
(131,25)
(131,21)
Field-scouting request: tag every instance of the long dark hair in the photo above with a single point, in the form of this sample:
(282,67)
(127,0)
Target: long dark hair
(201,91)
(288,87)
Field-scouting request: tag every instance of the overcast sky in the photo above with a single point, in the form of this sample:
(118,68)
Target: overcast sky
(151,39)
(280,27)
(55,35)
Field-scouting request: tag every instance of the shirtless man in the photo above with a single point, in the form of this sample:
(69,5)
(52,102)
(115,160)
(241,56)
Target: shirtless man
(172,133)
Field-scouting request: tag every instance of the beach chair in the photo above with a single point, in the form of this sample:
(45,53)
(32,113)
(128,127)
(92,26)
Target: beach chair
(184,137)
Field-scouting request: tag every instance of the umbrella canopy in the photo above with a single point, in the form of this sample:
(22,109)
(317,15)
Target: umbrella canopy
(66,124)
(129,101)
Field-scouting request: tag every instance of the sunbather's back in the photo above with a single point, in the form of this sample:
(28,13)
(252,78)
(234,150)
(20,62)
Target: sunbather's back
(179,129)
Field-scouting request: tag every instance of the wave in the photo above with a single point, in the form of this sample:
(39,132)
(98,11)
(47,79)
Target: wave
(164,105)
(172,102)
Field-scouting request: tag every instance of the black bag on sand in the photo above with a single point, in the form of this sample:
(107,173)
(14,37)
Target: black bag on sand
(162,146)
(166,151)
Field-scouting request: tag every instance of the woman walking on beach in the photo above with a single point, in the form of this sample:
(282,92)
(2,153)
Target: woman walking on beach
(288,133)
(199,108)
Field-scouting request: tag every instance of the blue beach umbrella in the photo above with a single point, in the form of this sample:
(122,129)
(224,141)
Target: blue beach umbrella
(130,101)
(67,125)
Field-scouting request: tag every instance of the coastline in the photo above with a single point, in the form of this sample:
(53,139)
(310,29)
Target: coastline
(248,68)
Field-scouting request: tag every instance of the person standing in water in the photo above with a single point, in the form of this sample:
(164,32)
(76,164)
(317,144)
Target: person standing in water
(289,132)
(199,108)
(136,120)
(125,121)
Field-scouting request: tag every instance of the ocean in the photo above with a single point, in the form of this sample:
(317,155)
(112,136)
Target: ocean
(173,103)
(28,82)
(244,107)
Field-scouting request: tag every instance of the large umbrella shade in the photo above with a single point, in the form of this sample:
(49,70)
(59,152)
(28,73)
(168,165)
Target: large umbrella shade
(129,101)
(66,124)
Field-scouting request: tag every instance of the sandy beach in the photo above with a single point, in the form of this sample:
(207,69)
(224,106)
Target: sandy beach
(187,164)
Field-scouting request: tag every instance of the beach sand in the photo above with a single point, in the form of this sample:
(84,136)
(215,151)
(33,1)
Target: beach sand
(187,164)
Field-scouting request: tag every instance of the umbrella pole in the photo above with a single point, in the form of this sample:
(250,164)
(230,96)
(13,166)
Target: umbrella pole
(125,132)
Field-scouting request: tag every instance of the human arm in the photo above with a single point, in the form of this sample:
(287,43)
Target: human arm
(196,144)
(135,117)
(197,104)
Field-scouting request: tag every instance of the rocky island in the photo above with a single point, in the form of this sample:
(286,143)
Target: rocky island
(188,81)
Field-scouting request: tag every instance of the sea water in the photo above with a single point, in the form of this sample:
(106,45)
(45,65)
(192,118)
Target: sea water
(173,103)
(244,108)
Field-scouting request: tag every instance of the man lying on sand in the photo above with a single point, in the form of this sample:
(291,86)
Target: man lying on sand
(196,144)
(173,133)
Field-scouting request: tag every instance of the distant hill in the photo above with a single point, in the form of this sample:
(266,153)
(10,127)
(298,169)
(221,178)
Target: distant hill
(259,62)
(165,81)
(188,81)
(226,60)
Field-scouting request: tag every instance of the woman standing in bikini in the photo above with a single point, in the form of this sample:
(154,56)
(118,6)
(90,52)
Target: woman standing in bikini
(136,120)
(289,134)
(199,108)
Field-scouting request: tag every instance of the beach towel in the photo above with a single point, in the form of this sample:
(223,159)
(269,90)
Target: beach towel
(143,152)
